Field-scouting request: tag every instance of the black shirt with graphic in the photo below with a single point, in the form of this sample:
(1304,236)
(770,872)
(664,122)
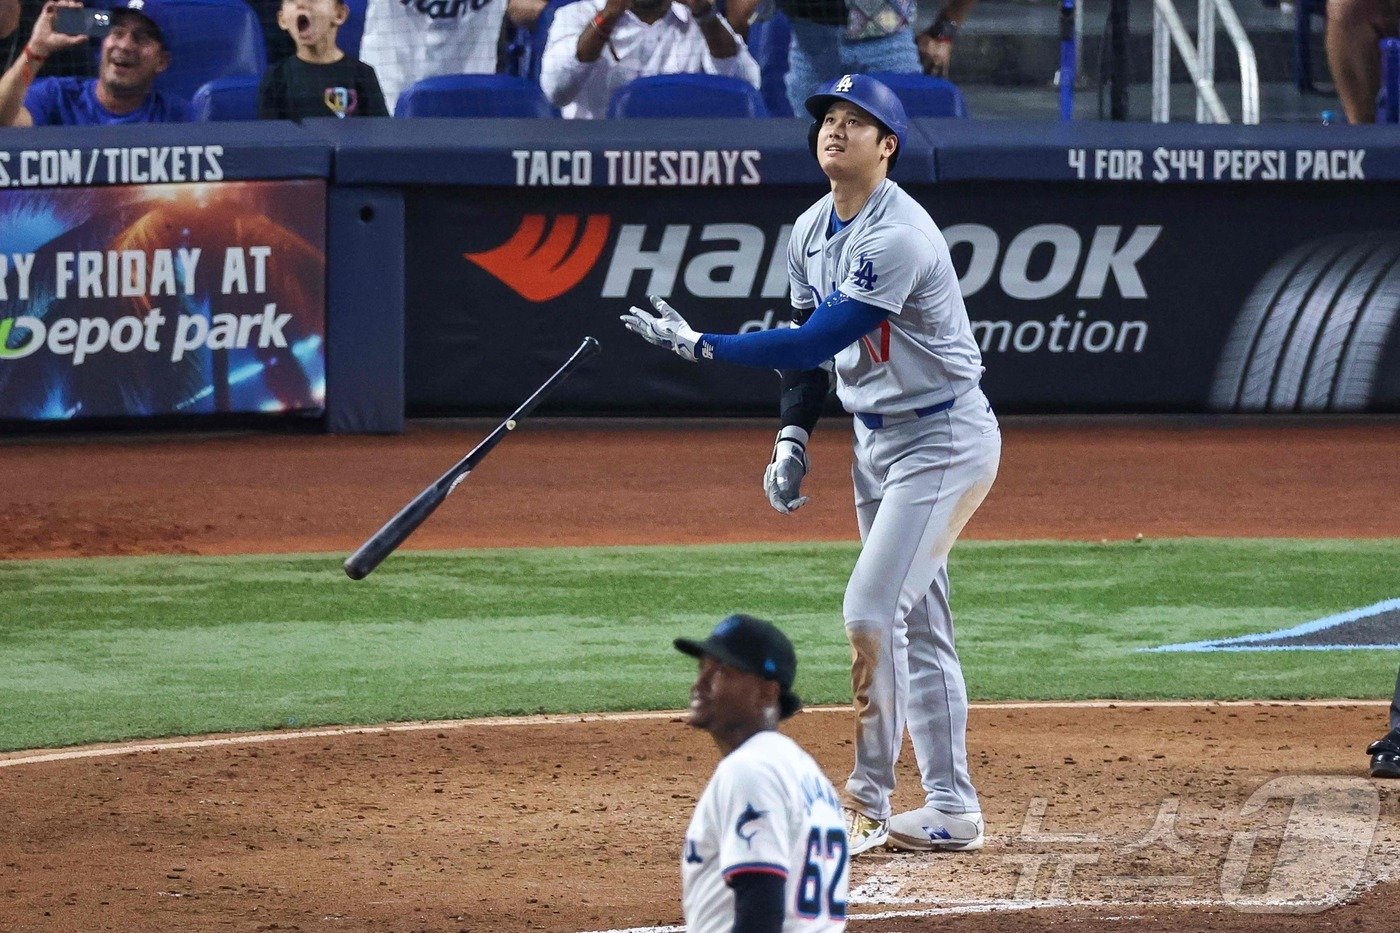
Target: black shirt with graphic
(293,89)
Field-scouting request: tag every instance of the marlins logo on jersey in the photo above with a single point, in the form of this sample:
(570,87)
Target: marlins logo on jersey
(408,40)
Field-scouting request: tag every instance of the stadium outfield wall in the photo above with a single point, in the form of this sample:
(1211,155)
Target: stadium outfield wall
(351,272)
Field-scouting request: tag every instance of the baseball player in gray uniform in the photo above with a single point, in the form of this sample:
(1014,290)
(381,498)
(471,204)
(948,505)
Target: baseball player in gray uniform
(874,287)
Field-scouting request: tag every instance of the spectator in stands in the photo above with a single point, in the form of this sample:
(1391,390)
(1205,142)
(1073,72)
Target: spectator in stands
(319,80)
(938,23)
(597,46)
(835,37)
(409,40)
(1354,31)
(133,53)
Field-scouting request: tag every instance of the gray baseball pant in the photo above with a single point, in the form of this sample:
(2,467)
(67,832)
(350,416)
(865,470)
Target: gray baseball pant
(917,482)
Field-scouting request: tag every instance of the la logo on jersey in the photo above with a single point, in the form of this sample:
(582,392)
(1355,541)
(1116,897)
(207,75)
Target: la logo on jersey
(864,276)
(843,85)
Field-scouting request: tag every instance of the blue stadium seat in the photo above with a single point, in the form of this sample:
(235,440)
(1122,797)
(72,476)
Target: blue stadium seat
(231,98)
(924,95)
(354,29)
(769,42)
(687,95)
(473,96)
(210,39)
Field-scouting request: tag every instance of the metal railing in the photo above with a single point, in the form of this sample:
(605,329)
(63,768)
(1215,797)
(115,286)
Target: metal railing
(1169,30)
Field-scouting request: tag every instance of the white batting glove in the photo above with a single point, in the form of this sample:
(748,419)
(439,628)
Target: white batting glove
(782,481)
(666,328)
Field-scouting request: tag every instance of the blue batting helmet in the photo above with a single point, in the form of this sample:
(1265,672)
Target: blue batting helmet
(867,94)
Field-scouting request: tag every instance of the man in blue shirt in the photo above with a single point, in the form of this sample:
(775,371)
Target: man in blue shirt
(133,53)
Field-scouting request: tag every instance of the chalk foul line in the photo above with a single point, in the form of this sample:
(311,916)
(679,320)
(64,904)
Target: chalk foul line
(115,749)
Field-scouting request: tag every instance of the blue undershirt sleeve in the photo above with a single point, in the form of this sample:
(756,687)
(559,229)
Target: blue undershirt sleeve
(835,324)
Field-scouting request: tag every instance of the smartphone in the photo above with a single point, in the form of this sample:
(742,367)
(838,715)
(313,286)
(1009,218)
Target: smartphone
(80,21)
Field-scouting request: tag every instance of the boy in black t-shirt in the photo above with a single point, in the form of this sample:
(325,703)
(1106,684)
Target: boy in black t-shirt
(320,80)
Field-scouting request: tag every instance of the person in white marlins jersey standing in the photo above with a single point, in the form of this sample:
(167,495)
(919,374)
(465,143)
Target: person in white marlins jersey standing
(873,285)
(766,850)
(408,40)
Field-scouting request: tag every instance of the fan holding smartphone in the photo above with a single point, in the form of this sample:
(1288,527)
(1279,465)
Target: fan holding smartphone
(133,51)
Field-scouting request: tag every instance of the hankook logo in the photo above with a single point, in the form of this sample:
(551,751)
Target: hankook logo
(543,260)
(547,257)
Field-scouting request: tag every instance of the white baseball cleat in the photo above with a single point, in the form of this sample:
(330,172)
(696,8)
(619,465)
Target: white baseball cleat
(931,830)
(863,833)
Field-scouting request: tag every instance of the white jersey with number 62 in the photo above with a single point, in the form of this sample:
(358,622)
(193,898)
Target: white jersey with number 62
(768,808)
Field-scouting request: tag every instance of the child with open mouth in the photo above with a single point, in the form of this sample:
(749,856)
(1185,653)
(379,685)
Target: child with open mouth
(320,80)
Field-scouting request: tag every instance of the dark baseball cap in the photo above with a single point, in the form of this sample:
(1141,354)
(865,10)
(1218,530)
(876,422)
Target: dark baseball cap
(755,647)
(148,10)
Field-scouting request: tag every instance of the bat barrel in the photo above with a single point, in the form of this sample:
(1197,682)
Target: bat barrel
(383,542)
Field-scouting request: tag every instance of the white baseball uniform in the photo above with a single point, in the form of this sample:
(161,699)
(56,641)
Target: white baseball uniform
(768,808)
(409,40)
(927,447)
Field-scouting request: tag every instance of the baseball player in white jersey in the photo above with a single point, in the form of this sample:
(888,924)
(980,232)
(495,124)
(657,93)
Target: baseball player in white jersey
(409,40)
(873,285)
(766,850)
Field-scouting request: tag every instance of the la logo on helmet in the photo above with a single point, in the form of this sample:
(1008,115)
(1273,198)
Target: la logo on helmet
(843,85)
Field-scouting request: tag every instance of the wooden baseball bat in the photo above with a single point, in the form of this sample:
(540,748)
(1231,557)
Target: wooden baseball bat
(383,542)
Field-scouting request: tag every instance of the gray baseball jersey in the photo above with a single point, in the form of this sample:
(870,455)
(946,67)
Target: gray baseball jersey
(894,257)
(768,808)
(920,469)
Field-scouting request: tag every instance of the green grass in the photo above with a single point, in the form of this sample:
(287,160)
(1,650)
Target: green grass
(131,647)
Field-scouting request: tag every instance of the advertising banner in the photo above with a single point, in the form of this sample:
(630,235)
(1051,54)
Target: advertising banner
(163,300)
(1084,298)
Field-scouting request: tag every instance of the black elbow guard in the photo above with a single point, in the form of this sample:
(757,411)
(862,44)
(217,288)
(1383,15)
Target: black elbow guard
(803,396)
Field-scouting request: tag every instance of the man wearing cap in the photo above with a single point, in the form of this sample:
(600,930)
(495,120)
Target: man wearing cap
(766,849)
(133,53)
(873,285)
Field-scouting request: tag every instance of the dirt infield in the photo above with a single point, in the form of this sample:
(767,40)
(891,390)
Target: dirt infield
(1245,817)
(570,484)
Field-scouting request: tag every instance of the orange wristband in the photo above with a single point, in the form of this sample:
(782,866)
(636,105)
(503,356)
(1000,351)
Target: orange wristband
(602,26)
(32,57)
